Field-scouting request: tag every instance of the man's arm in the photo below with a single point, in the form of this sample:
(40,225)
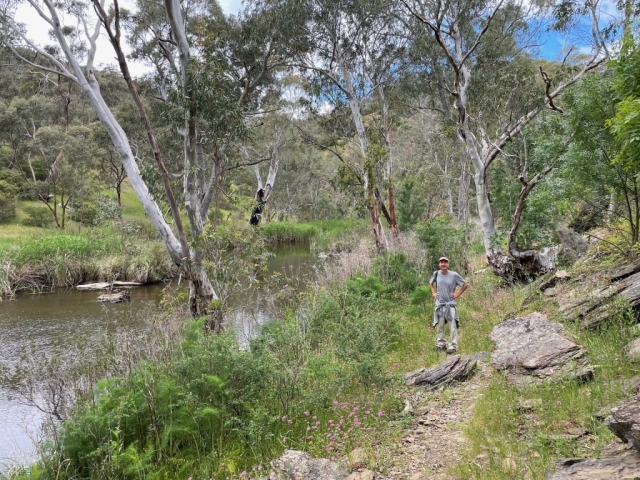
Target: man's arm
(433,290)
(457,294)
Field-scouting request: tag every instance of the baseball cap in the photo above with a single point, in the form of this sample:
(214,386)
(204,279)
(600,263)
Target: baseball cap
(443,258)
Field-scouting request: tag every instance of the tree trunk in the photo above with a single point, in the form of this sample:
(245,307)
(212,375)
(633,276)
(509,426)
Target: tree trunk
(463,190)
(485,213)
(521,265)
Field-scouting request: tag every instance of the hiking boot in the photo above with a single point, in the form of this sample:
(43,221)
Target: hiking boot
(451,349)
(441,346)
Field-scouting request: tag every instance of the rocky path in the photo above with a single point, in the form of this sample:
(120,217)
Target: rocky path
(433,443)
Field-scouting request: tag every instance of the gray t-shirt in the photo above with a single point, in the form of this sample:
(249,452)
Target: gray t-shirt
(446,284)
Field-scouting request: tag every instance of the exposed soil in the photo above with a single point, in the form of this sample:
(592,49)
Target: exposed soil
(433,443)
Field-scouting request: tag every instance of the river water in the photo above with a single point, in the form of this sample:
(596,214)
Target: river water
(49,322)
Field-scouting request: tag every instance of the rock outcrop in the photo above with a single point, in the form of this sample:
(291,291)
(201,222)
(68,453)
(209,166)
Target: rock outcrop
(297,465)
(573,245)
(624,422)
(591,308)
(532,349)
(624,466)
(455,368)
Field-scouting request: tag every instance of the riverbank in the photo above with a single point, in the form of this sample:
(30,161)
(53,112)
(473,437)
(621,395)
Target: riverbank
(126,249)
(327,378)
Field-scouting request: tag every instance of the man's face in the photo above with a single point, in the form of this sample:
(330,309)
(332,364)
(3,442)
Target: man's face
(444,265)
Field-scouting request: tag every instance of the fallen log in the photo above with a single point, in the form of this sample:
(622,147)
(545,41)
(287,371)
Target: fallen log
(107,285)
(455,368)
(115,297)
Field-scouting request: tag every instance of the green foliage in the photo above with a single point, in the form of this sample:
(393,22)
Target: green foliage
(319,234)
(107,209)
(441,237)
(87,214)
(369,286)
(8,193)
(409,205)
(421,299)
(625,125)
(37,217)
(215,409)
(398,271)
(284,233)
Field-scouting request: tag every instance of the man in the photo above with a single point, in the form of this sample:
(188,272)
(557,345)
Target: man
(444,291)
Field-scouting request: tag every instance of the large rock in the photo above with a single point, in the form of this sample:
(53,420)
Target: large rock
(455,368)
(573,245)
(591,308)
(533,348)
(625,466)
(624,422)
(297,465)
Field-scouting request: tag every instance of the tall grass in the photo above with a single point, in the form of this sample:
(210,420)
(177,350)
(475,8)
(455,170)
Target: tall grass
(66,259)
(319,235)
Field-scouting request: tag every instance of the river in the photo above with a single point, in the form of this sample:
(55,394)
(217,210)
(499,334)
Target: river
(48,322)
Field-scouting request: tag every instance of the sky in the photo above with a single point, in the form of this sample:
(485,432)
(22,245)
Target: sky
(552,45)
(38,31)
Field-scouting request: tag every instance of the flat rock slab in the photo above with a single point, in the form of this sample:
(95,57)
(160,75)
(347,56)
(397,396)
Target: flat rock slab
(624,422)
(298,465)
(115,297)
(625,466)
(532,349)
(455,368)
(107,285)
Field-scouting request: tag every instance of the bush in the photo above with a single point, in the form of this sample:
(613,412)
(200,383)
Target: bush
(397,270)
(108,209)
(87,214)
(8,194)
(440,237)
(37,217)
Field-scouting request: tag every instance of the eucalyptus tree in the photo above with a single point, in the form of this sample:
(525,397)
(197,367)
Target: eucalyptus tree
(235,62)
(468,34)
(66,165)
(351,53)
(77,65)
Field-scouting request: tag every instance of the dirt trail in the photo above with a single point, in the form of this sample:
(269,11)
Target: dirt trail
(432,444)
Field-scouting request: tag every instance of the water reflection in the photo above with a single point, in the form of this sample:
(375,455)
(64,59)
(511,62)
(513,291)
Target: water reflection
(50,322)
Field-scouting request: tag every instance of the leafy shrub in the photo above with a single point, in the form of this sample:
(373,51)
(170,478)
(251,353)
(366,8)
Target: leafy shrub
(396,269)
(107,208)
(410,206)
(440,237)
(87,214)
(8,194)
(13,177)
(37,217)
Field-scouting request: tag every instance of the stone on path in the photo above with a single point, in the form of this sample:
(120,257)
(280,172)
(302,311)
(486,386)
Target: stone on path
(533,348)
(455,368)
(297,465)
